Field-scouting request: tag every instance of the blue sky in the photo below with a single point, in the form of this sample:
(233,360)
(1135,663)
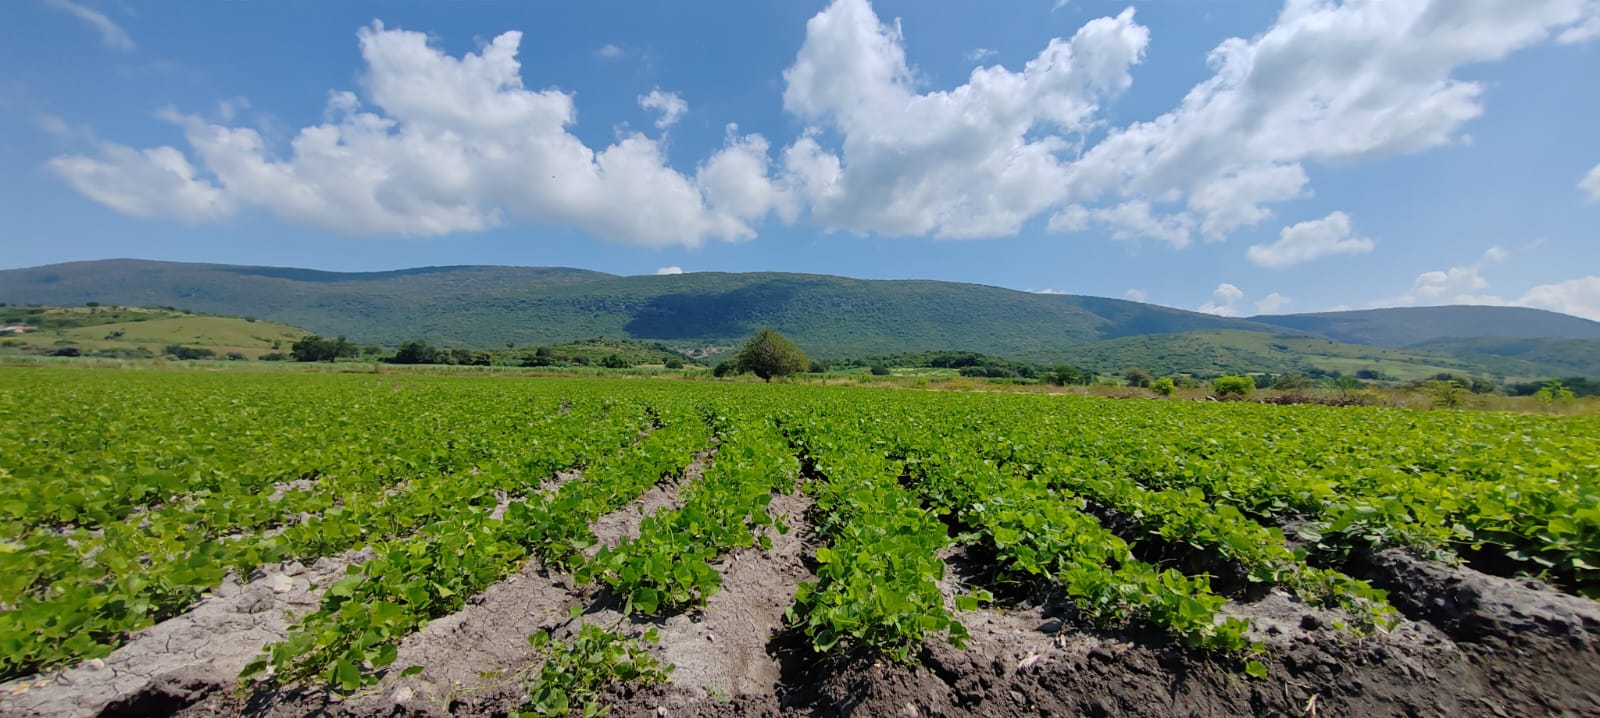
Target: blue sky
(1236,156)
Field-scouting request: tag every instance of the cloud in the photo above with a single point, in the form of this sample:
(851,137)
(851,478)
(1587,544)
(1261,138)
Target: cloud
(448,144)
(1591,184)
(52,124)
(1466,284)
(1454,285)
(979,54)
(669,104)
(737,182)
(1049,291)
(1309,240)
(669,270)
(1137,295)
(974,161)
(157,182)
(1327,82)
(1578,297)
(1133,219)
(1272,303)
(111,34)
(1224,301)
(609,51)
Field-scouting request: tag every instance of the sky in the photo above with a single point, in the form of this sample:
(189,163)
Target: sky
(1229,156)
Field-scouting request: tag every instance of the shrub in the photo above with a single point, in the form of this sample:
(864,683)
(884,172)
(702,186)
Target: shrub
(1553,391)
(674,363)
(1164,386)
(1233,386)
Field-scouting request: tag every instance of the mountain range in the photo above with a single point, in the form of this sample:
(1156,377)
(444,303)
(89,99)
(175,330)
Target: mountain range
(830,316)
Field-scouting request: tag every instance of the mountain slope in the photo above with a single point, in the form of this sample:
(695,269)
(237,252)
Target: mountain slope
(1411,326)
(489,306)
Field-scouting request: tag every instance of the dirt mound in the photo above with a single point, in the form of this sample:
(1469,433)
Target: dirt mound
(187,658)
(1470,644)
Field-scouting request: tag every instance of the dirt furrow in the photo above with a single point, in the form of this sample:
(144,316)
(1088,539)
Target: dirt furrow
(617,527)
(474,660)
(721,650)
(180,660)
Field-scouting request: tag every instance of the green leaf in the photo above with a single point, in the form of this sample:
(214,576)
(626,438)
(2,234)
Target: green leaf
(645,600)
(1255,669)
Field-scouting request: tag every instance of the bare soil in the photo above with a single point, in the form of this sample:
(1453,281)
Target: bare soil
(1470,644)
(184,659)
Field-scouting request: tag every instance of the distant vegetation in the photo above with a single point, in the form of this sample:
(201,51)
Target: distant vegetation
(123,332)
(555,317)
(834,318)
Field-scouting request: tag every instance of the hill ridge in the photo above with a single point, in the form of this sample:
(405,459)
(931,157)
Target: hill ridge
(833,316)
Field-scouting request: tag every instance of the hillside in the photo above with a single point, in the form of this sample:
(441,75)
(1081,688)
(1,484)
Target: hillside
(709,313)
(1412,326)
(141,331)
(1232,351)
(490,306)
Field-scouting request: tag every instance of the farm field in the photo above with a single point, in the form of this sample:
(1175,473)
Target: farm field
(190,543)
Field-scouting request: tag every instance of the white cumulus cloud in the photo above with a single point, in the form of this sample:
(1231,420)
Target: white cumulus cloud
(1328,82)
(1137,295)
(669,270)
(1466,284)
(1310,240)
(1224,301)
(1133,219)
(111,34)
(1578,297)
(157,182)
(974,161)
(1591,184)
(668,104)
(609,51)
(1457,284)
(1272,303)
(448,144)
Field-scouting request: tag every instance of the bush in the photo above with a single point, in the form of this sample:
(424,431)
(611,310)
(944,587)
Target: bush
(879,370)
(726,368)
(1446,393)
(1553,391)
(613,361)
(314,348)
(236,356)
(1236,387)
(273,356)
(188,353)
(418,352)
(1138,378)
(1164,386)
(674,363)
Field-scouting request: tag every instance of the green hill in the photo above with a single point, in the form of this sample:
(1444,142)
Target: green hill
(140,331)
(708,313)
(1231,351)
(490,306)
(1411,326)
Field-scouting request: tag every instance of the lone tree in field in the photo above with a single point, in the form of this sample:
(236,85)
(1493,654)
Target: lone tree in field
(769,354)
